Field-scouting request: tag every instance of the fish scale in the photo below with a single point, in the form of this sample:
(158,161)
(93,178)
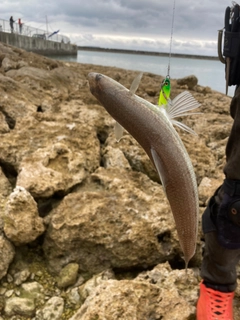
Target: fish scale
(155,133)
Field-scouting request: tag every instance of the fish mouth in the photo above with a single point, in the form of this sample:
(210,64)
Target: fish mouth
(93,80)
(93,76)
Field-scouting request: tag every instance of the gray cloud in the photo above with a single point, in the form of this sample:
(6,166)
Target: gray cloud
(135,24)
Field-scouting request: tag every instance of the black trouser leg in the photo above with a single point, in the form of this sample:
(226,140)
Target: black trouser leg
(219,265)
(221,219)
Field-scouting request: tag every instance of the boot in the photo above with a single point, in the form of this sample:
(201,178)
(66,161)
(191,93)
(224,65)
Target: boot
(214,305)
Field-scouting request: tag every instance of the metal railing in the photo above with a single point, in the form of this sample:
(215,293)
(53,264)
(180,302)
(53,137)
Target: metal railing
(31,31)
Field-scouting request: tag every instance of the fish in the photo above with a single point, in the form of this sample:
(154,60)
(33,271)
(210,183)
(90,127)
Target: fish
(152,126)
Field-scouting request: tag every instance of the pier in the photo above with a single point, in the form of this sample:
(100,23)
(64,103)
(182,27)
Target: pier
(36,40)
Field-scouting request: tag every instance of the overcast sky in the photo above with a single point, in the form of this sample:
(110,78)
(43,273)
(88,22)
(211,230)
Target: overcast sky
(127,24)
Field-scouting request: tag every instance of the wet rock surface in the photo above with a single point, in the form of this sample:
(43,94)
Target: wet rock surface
(86,231)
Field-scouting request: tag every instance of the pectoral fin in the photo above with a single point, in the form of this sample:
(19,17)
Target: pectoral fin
(135,83)
(160,168)
(118,130)
(180,107)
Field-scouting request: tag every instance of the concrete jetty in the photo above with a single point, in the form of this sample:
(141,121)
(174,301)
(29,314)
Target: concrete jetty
(35,40)
(38,45)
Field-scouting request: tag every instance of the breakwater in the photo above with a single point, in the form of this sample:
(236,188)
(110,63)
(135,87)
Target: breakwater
(150,53)
(38,45)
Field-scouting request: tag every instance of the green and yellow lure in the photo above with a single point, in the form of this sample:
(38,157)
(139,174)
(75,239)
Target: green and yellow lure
(164,92)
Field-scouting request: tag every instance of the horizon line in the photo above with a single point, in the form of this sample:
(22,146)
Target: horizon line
(143,52)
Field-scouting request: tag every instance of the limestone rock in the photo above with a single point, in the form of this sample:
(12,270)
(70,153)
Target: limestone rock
(74,296)
(5,185)
(53,162)
(151,92)
(50,170)
(52,310)
(120,300)
(207,187)
(133,300)
(114,157)
(112,226)
(90,286)
(166,293)
(7,254)
(68,275)
(206,90)
(34,290)
(21,276)
(8,64)
(202,157)
(5,190)
(191,81)
(39,180)
(25,303)
(4,128)
(136,157)
(184,283)
(21,221)
(20,306)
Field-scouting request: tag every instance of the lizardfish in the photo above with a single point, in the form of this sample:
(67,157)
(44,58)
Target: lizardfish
(152,127)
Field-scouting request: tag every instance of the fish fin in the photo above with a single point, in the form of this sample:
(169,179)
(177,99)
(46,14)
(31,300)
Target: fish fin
(181,104)
(179,107)
(118,130)
(135,83)
(184,127)
(159,166)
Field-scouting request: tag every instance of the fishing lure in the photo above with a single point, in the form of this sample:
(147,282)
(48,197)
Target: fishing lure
(165,91)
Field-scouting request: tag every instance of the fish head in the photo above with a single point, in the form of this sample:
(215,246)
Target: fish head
(94,80)
(106,90)
(103,88)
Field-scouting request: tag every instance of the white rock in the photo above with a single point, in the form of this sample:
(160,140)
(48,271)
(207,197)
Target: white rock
(52,310)
(20,306)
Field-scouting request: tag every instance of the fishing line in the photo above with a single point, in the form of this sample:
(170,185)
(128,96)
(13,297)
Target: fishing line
(171,38)
(165,88)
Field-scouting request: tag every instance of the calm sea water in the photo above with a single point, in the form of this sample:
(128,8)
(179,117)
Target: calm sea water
(209,72)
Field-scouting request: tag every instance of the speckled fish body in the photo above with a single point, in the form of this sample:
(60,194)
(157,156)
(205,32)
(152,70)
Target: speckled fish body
(155,133)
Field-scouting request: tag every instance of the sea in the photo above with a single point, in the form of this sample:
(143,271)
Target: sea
(210,72)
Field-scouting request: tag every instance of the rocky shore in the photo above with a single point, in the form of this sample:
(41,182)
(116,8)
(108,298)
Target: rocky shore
(86,231)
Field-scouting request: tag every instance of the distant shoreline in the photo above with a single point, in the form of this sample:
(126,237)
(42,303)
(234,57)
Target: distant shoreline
(149,53)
